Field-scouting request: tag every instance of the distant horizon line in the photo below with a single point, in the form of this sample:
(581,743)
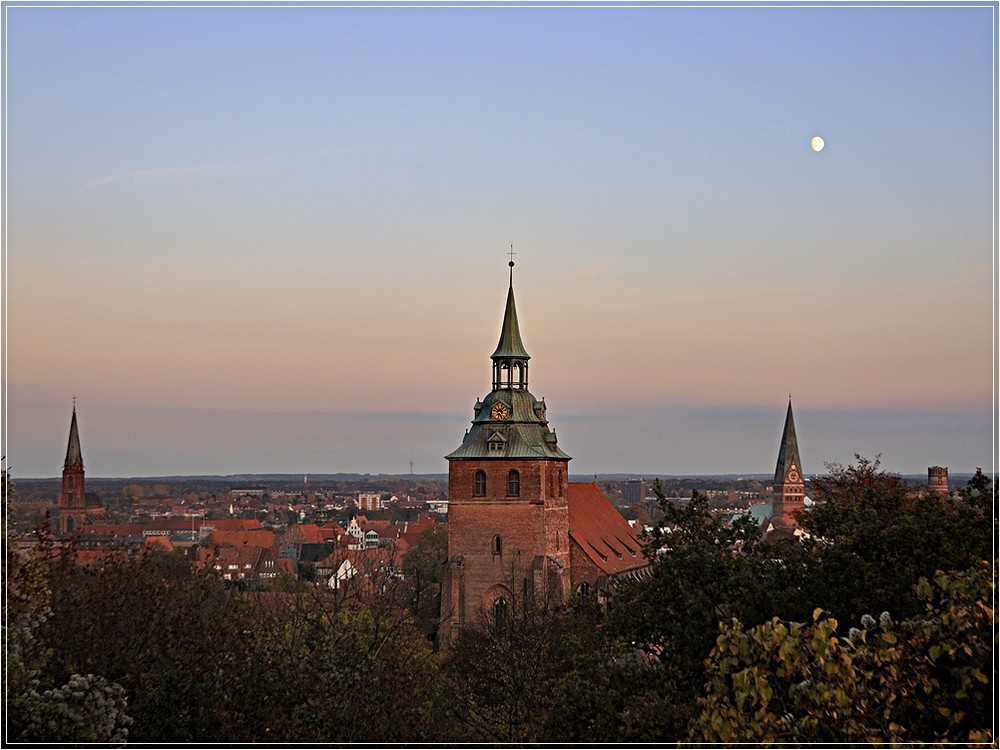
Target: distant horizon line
(329,476)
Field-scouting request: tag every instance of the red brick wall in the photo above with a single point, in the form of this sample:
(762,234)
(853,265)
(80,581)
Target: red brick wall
(533,528)
(72,500)
(539,479)
(583,568)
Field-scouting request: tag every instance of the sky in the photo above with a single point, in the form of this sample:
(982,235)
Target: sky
(274,238)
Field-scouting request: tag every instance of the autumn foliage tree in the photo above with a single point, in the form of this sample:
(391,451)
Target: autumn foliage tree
(926,679)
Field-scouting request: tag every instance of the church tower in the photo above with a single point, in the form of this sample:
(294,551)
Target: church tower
(789,485)
(508,488)
(72,500)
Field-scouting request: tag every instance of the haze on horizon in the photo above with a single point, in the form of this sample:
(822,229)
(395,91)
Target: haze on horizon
(274,239)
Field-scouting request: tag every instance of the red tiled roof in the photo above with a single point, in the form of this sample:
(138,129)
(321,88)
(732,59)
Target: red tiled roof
(311,533)
(97,557)
(159,542)
(413,531)
(114,529)
(601,532)
(233,524)
(364,560)
(331,532)
(251,538)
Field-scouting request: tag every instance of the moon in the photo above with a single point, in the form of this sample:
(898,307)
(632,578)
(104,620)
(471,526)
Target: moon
(817,144)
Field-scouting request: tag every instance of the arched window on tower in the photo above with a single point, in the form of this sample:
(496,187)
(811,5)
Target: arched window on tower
(497,545)
(499,611)
(513,483)
(479,484)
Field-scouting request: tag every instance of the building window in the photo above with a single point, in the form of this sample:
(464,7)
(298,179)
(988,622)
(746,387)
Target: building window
(497,545)
(479,484)
(513,483)
(500,611)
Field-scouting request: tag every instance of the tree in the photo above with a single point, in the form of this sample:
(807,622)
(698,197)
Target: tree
(87,708)
(173,640)
(978,492)
(496,670)
(873,539)
(425,560)
(698,576)
(703,571)
(925,679)
(423,565)
(600,690)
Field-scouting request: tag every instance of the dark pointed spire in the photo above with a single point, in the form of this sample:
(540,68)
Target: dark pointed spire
(74,457)
(788,453)
(510,346)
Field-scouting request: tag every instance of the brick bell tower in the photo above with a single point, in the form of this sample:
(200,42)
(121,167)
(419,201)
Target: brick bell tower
(72,500)
(508,487)
(789,485)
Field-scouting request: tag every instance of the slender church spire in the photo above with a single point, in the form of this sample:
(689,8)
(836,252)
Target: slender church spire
(788,452)
(73,498)
(74,457)
(510,360)
(510,345)
(789,483)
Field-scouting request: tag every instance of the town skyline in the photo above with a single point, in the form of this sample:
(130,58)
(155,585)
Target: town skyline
(274,240)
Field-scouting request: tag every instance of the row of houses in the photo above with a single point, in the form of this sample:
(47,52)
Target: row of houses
(243,550)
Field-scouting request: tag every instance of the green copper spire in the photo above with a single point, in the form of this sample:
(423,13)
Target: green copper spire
(510,346)
(788,453)
(73,455)
(509,422)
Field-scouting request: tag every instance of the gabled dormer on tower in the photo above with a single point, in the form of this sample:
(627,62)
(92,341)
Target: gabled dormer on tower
(73,498)
(789,484)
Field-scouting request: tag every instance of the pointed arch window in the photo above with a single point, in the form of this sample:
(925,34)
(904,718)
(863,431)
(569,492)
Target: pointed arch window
(479,484)
(513,483)
(497,545)
(500,611)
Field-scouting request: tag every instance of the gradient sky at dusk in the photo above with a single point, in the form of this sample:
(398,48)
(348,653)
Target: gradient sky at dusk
(274,239)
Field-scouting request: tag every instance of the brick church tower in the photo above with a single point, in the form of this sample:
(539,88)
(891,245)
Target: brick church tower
(789,485)
(508,499)
(73,499)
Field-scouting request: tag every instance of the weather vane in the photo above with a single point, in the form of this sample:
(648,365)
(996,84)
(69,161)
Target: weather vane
(512,254)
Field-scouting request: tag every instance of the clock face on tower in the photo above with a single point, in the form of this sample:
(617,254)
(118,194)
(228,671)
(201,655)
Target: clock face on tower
(500,411)
(793,475)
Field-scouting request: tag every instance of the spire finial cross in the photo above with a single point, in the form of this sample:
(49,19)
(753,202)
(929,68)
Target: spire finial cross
(74,403)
